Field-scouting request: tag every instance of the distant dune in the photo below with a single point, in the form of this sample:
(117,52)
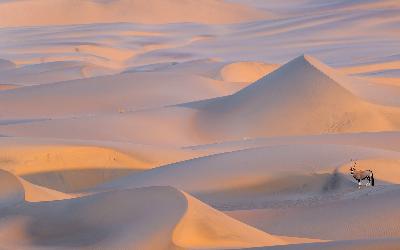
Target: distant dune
(245,71)
(62,12)
(118,93)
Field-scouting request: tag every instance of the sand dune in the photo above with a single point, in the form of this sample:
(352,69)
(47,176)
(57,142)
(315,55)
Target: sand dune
(50,72)
(235,72)
(68,168)
(291,184)
(113,94)
(370,68)
(259,169)
(302,97)
(73,165)
(375,208)
(380,140)
(91,223)
(26,158)
(200,222)
(149,127)
(246,71)
(33,13)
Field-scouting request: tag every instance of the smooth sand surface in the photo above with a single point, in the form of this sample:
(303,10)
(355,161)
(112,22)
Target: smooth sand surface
(187,124)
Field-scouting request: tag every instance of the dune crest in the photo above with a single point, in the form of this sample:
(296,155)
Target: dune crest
(201,224)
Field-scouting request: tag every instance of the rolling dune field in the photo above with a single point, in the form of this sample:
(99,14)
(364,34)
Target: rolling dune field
(199,124)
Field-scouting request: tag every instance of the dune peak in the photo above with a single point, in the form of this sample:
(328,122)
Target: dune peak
(304,96)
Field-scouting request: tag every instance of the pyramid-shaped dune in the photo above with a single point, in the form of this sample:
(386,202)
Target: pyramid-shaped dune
(303,96)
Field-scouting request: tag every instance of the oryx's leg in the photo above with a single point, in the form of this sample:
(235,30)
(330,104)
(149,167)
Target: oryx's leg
(359,183)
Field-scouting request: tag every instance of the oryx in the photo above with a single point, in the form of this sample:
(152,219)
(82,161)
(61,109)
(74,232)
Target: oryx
(360,175)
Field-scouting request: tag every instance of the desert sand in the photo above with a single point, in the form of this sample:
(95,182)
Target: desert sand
(186,124)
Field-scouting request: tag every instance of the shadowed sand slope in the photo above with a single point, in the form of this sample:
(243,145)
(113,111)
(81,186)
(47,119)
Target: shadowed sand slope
(61,12)
(71,165)
(302,97)
(365,244)
(116,94)
(50,72)
(6,65)
(68,167)
(335,220)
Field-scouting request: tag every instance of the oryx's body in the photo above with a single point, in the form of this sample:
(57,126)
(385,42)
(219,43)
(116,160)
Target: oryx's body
(360,175)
